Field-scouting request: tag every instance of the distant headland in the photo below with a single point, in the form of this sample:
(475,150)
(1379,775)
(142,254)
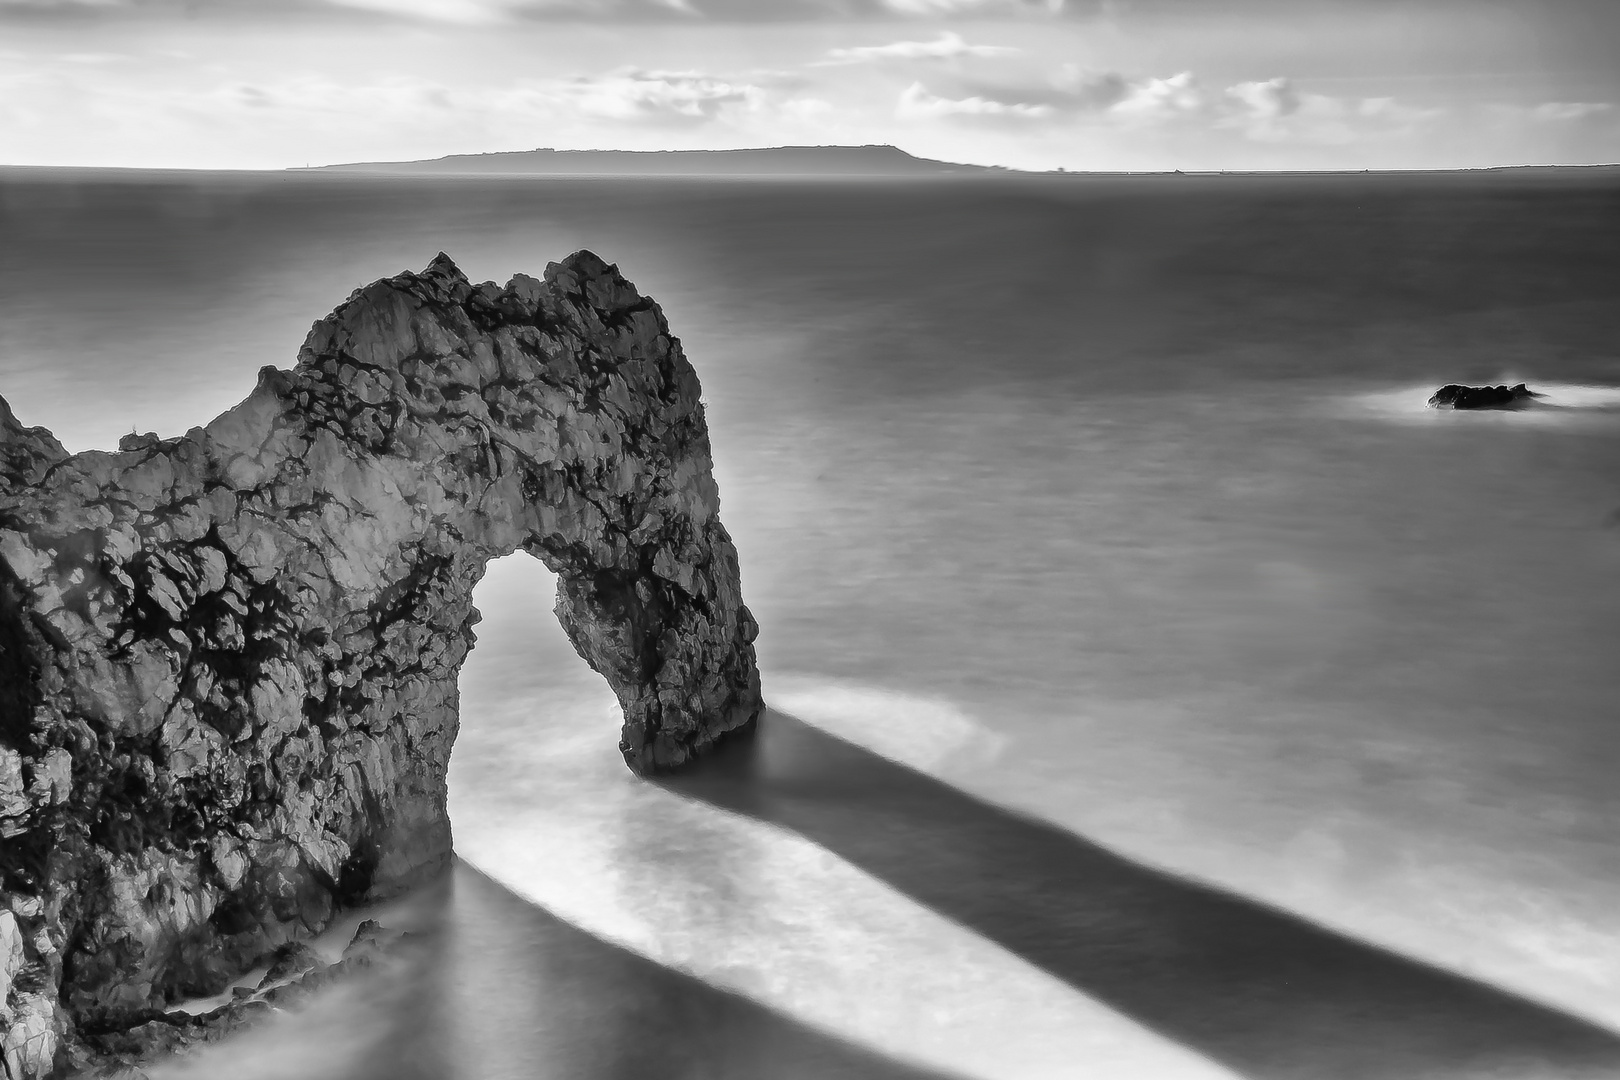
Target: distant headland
(770,161)
(808,162)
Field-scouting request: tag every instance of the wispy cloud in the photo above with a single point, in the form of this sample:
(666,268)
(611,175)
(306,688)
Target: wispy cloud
(657,95)
(1071,90)
(479,12)
(468,12)
(972,7)
(948,46)
(1267,100)
(1070,94)
(270,119)
(1161,99)
(917,103)
(63,6)
(1560,111)
(486,12)
(292,12)
(1275,110)
(627,95)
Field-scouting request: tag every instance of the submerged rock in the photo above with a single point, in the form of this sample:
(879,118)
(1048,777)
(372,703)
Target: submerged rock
(1457,396)
(228,660)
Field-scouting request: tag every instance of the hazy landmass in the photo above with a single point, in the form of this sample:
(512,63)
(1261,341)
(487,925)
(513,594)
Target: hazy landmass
(784,161)
(772,161)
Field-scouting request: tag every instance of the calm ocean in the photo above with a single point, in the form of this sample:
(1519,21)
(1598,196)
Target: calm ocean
(1160,690)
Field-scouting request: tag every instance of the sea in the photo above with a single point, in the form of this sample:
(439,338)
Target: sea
(1157,688)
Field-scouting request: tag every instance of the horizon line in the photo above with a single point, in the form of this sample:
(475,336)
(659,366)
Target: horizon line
(1000,170)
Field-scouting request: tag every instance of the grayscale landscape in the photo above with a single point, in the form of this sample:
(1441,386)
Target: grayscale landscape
(1019,613)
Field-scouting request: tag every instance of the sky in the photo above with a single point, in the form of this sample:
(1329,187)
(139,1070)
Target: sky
(1028,84)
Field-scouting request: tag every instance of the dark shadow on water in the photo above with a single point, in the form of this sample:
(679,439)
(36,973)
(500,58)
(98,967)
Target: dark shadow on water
(1265,993)
(504,990)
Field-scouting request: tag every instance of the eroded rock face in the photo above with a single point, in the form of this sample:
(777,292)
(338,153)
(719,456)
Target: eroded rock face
(228,661)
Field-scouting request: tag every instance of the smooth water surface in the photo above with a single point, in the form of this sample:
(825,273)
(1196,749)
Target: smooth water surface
(1159,689)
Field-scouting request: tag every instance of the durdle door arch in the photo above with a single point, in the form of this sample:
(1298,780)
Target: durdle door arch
(228,661)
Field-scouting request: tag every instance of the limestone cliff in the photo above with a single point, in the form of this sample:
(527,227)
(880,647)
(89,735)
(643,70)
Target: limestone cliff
(228,660)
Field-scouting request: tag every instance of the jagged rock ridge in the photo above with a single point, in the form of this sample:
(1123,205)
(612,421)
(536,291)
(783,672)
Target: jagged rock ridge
(228,661)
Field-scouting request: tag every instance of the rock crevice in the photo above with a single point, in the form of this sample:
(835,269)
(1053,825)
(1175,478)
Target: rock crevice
(228,660)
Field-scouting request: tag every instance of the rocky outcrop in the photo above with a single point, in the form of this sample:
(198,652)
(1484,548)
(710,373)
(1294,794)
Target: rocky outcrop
(228,660)
(1457,396)
(296,976)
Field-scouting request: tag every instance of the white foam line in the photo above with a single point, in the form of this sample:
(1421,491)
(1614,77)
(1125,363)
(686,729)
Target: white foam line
(1556,403)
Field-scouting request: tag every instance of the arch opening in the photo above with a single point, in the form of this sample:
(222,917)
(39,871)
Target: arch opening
(530,707)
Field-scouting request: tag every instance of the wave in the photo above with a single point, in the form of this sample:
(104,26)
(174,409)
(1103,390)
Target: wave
(927,733)
(1555,403)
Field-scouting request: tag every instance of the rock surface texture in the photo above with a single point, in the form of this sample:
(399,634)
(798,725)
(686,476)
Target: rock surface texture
(228,660)
(1458,396)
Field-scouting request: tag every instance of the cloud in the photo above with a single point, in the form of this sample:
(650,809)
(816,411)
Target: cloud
(917,103)
(1071,90)
(1161,99)
(268,119)
(471,12)
(628,95)
(948,46)
(1267,100)
(637,95)
(1564,111)
(1274,110)
(1071,93)
(309,97)
(1087,90)
(731,10)
(64,7)
(487,12)
(937,8)
(1385,109)
(466,12)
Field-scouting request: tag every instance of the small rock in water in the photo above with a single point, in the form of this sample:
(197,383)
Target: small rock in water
(1458,396)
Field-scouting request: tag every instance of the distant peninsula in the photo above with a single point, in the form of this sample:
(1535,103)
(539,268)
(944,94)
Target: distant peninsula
(771,161)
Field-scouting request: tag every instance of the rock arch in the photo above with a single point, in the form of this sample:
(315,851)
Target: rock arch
(228,661)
